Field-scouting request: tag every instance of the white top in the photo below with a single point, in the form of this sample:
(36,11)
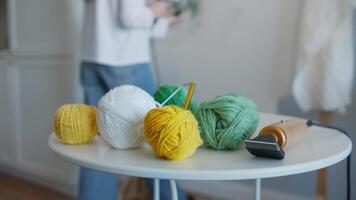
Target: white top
(321,148)
(117,32)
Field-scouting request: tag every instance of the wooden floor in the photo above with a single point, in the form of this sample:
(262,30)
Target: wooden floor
(16,189)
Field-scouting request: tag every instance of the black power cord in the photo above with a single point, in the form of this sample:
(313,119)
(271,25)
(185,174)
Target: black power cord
(348,172)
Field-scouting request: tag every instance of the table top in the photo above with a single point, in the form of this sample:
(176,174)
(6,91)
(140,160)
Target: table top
(321,148)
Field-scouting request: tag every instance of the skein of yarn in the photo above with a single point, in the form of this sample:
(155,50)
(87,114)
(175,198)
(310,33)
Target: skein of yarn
(226,121)
(120,115)
(178,99)
(172,132)
(75,123)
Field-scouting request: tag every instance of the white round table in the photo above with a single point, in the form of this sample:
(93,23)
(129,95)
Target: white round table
(321,148)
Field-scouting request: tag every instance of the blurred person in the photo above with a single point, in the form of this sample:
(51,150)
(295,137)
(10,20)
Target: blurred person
(115,51)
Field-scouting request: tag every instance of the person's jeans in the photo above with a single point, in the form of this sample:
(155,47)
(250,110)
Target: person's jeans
(96,80)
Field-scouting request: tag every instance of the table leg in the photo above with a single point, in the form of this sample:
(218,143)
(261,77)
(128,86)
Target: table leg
(174,189)
(258,189)
(156,192)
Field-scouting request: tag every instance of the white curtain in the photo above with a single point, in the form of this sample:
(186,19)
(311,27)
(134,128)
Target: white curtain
(325,59)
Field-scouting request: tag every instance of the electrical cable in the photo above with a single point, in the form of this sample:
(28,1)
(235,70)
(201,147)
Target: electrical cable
(348,172)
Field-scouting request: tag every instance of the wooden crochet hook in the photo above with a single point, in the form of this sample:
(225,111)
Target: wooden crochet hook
(192,86)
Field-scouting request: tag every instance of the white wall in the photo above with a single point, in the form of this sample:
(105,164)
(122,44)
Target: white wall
(234,46)
(248,47)
(34,81)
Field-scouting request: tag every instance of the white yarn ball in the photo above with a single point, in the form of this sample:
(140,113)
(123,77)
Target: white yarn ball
(120,115)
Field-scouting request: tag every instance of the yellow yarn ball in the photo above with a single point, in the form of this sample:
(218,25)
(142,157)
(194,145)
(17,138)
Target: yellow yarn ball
(75,123)
(172,132)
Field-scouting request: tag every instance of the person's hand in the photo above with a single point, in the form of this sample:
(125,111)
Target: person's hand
(159,8)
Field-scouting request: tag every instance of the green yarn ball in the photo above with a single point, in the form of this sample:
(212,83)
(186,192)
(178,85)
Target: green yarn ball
(226,121)
(166,90)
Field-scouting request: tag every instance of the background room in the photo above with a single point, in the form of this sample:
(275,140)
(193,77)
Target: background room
(230,45)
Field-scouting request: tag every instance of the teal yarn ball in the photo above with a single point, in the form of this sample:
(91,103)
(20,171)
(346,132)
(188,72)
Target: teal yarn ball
(226,121)
(166,90)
